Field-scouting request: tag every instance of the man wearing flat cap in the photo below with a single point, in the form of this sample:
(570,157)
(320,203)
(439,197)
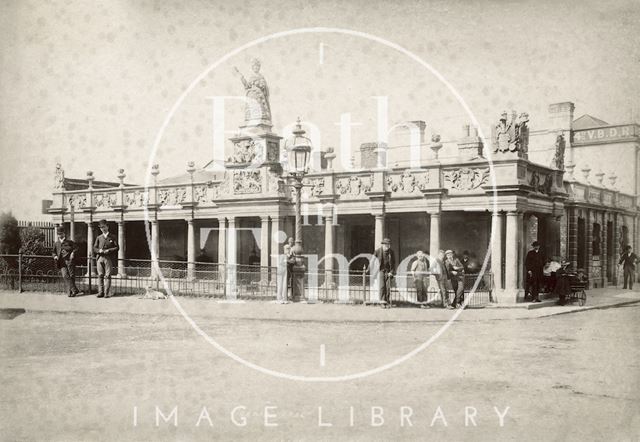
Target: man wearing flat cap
(64,251)
(105,248)
(534,265)
(387,264)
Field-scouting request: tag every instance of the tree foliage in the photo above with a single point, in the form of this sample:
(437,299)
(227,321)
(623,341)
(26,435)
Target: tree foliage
(9,234)
(32,241)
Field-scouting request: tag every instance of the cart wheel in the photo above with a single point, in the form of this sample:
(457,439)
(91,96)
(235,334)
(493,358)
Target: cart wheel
(583,299)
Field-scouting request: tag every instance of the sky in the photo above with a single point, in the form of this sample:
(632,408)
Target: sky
(90,84)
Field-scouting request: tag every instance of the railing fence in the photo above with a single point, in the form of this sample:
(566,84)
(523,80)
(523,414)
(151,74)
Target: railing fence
(199,279)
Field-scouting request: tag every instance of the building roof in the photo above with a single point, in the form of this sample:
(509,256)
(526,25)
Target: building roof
(81,184)
(587,121)
(199,176)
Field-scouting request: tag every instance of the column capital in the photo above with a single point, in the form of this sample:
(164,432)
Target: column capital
(437,213)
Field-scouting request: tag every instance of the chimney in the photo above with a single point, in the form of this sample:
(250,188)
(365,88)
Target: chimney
(470,145)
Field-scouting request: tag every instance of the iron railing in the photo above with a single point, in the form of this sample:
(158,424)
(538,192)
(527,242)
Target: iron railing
(200,279)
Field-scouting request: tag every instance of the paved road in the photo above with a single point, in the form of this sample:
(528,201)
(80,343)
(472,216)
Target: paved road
(80,376)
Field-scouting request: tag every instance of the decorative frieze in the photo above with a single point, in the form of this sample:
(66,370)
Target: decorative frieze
(541,183)
(105,200)
(136,199)
(407,182)
(173,196)
(625,201)
(200,193)
(78,201)
(465,178)
(246,182)
(354,185)
(594,196)
(314,186)
(246,151)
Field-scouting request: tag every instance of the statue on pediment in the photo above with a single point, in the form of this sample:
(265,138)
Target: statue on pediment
(58,179)
(257,108)
(558,158)
(511,135)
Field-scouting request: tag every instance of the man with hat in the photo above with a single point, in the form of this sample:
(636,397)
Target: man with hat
(628,261)
(534,265)
(105,248)
(455,271)
(387,263)
(64,251)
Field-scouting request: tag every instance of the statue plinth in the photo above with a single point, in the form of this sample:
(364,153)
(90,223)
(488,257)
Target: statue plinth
(254,148)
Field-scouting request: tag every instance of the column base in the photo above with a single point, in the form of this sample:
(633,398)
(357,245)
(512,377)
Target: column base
(344,301)
(509,296)
(373,302)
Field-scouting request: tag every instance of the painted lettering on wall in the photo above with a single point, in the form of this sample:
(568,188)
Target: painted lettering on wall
(604,134)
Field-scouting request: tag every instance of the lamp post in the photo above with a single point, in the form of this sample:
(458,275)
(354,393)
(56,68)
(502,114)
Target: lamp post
(298,149)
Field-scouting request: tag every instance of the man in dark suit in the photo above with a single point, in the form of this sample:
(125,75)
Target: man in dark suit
(534,265)
(628,261)
(64,251)
(386,266)
(105,248)
(455,272)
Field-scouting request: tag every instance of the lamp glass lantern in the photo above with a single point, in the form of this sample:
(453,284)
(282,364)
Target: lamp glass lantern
(299,151)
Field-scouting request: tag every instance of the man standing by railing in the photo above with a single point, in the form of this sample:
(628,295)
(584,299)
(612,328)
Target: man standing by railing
(105,247)
(420,273)
(439,271)
(64,254)
(386,264)
(455,270)
(534,265)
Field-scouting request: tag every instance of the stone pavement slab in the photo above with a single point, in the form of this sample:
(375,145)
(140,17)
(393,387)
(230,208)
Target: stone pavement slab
(328,312)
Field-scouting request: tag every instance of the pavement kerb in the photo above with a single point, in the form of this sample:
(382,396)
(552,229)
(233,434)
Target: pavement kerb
(11,299)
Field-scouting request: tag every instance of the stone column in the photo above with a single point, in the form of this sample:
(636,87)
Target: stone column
(123,246)
(434,234)
(232,250)
(379,232)
(191,250)
(512,266)
(635,241)
(604,248)
(328,250)
(222,240)
(155,248)
(616,246)
(72,224)
(277,225)
(264,250)
(496,249)
(588,235)
(89,243)
(572,240)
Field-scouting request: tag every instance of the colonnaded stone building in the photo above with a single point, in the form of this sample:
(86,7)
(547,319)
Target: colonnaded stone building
(548,186)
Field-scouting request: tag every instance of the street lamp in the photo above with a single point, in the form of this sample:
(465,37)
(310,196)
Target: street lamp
(298,149)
